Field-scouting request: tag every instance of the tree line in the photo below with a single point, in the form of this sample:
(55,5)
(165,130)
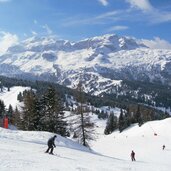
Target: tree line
(130,116)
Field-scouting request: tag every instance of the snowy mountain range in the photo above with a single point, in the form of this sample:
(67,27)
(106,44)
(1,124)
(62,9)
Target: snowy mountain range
(102,61)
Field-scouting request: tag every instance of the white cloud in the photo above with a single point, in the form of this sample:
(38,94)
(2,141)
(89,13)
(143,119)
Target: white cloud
(157,43)
(47,28)
(107,15)
(104,2)
(154,15)
(117,28)
(143,5)
(7,40)
(160,17)
(33,33)
(99,19)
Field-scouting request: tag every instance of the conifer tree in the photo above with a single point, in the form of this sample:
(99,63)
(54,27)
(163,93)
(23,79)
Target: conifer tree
(16,119)
(111,124)
(138,116)
(1,87)
(102,115)
(2,108)
(52,110)
(20,97)
(84,130)
(84,124)
(127,118)
(30,112)
(10,113)
(121,123)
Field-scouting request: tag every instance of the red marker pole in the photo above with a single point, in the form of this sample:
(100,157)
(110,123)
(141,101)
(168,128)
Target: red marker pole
(6,122)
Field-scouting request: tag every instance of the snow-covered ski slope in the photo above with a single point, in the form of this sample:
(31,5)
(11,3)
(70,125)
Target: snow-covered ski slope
(147,146)
(24,151)
(10,97)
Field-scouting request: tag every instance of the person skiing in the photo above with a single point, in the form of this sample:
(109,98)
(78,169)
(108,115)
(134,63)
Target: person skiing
(164,147)
(133,155)
(51,145)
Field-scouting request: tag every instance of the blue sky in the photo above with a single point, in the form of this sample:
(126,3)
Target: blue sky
(79,19)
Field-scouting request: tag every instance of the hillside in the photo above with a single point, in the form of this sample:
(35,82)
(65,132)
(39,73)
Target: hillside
(10,97)
(128,93)
(25,151)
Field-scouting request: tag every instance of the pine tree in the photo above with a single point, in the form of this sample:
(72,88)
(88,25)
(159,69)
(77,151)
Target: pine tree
(2,108)
(30,113)
(111,124)
(52,113)
(80,99)
(20,97)
(138,116)
(10,113)
(1,87)
(121,123)
(85,128)
(16,119)
(8,88)
(102,115)
(127,118)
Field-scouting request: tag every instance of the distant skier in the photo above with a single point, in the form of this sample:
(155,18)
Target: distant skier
(51,144)
(133,155)
(164,147)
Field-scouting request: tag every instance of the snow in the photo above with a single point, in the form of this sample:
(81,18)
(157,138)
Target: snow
(168,110)
(24,150)
(148,148)
(108,54)
(10,97)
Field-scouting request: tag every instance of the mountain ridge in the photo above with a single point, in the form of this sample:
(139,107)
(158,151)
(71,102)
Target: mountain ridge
(101,60)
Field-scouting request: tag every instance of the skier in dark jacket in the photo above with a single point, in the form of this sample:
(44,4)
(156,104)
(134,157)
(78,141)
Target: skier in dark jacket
(164,147)
(51,144)
(133,155)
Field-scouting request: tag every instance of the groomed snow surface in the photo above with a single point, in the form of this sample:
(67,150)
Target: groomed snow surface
(10,97)
(24,151)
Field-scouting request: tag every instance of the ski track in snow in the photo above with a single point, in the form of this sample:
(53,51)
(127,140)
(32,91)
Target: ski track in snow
(24,150)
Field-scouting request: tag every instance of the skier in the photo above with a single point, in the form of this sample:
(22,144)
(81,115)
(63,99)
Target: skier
(133,155)
(51,145)
(164,147)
